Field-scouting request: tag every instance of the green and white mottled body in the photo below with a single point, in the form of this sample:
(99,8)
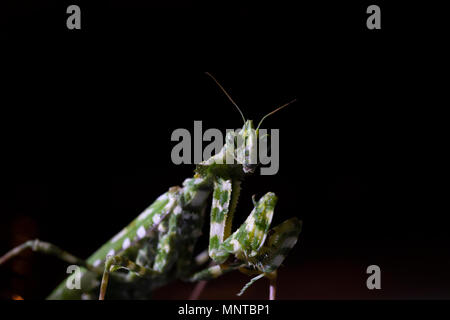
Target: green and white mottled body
(158,246)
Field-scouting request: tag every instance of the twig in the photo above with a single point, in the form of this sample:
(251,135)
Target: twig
(195,294)
(273,288)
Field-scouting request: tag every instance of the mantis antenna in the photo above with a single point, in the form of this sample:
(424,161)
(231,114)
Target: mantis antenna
(277,109)
(226,93)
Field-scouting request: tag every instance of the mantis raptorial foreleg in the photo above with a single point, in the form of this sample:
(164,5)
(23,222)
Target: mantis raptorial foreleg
(220,215)
(245,242)
(249,242)
(280,242)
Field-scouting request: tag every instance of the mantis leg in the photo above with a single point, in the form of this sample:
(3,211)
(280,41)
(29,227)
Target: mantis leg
(263,248)
(118,262)
(281,240)
(214,272)
(271,276)
(165,257)
(47,248)
(201,258)
(225,196)
(246,241)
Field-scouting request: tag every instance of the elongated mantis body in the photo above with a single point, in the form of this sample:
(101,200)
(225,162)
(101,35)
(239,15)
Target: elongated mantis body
(158,246)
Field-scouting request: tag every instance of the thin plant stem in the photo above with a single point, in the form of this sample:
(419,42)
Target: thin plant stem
(195,294)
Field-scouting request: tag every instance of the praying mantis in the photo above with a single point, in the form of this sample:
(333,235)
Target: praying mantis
(158,246)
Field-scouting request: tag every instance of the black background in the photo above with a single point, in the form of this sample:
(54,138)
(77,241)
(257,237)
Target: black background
(87,117)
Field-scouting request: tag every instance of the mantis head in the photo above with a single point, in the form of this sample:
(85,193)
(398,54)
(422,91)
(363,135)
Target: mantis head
(241,145)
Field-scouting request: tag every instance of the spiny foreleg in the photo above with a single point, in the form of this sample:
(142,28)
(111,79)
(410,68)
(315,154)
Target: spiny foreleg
(225,196)
(281,240)
(262,250)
